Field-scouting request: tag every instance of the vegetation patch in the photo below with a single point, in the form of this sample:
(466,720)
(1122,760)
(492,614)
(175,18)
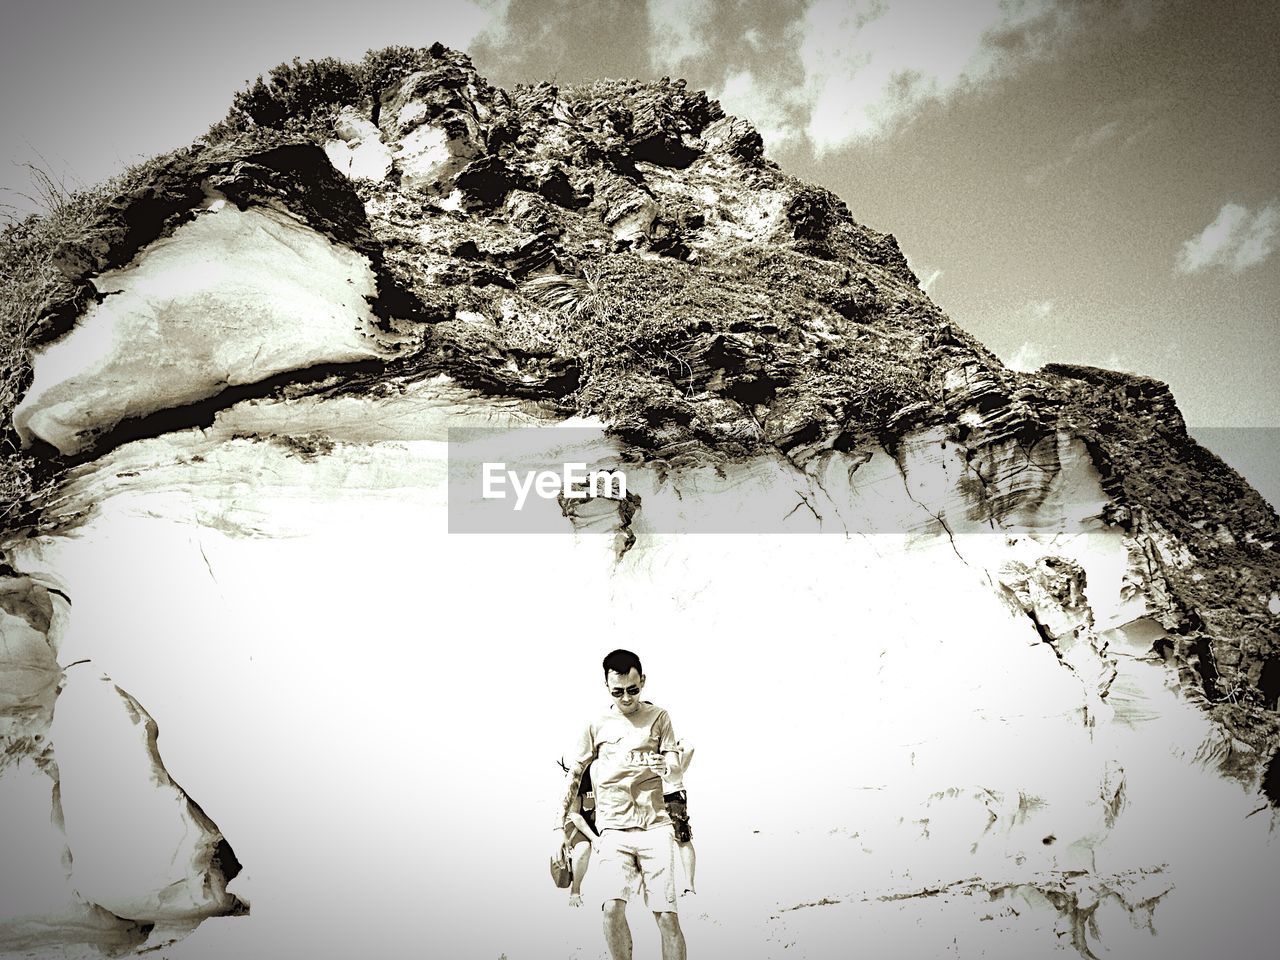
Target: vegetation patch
(304,97)
(722,353)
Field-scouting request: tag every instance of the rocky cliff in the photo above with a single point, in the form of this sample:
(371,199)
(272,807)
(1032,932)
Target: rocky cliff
(1020,699)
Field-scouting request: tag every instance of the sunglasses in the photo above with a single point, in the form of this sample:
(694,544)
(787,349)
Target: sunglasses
(630,691)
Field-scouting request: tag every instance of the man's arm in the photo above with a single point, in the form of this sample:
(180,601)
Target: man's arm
(673,775)
(576,765)
(668,746)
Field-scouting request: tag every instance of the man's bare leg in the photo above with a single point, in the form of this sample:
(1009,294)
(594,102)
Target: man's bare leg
(617,935)
(672,936)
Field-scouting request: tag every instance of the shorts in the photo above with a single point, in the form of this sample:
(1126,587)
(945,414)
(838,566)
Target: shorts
(630,860)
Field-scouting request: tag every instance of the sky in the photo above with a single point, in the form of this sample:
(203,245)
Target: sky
(1084,181)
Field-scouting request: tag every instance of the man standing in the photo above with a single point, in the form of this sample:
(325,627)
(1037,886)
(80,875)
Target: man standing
(631,746)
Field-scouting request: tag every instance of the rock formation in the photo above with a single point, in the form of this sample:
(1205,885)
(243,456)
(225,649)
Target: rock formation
(1019,700)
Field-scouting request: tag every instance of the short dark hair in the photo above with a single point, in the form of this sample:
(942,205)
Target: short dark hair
(621,662)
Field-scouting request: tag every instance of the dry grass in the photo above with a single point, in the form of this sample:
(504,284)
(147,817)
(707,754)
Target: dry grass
(30,284)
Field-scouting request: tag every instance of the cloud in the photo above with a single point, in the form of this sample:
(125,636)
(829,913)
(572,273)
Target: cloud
(1095,138)
(1027,358)
(819,74)
(563,41)
(677,31)
(1132,120)
(831,73)
(1236,240)
(927,284)
(1032,356)
(1114,361)
(459,22)
(870,65)
(771,112)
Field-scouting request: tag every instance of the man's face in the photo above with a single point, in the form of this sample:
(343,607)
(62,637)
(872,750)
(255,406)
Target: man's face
(625,689)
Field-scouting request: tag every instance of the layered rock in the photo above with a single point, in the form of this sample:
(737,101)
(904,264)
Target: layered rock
(1041,610)
(101,846)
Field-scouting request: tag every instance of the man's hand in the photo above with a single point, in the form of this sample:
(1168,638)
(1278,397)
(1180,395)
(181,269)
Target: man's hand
(663,764)
(670,765)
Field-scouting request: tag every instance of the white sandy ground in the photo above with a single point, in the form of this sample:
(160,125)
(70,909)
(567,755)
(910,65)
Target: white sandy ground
(370,709)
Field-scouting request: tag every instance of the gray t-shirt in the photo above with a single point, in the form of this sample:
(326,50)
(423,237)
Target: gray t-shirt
(628,791)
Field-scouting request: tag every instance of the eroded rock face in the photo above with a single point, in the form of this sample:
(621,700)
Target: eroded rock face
(34,881)
(28,661)
(231,298)
(998,634)
(434,117)
(141,848)
(100,846)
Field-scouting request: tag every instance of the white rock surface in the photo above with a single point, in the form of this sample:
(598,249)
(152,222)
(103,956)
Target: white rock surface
(41,914)
(28,656)
(969,788)
(230,298)
(428,155)
(140,848)
(359,152)
(34,881)
(33,850)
